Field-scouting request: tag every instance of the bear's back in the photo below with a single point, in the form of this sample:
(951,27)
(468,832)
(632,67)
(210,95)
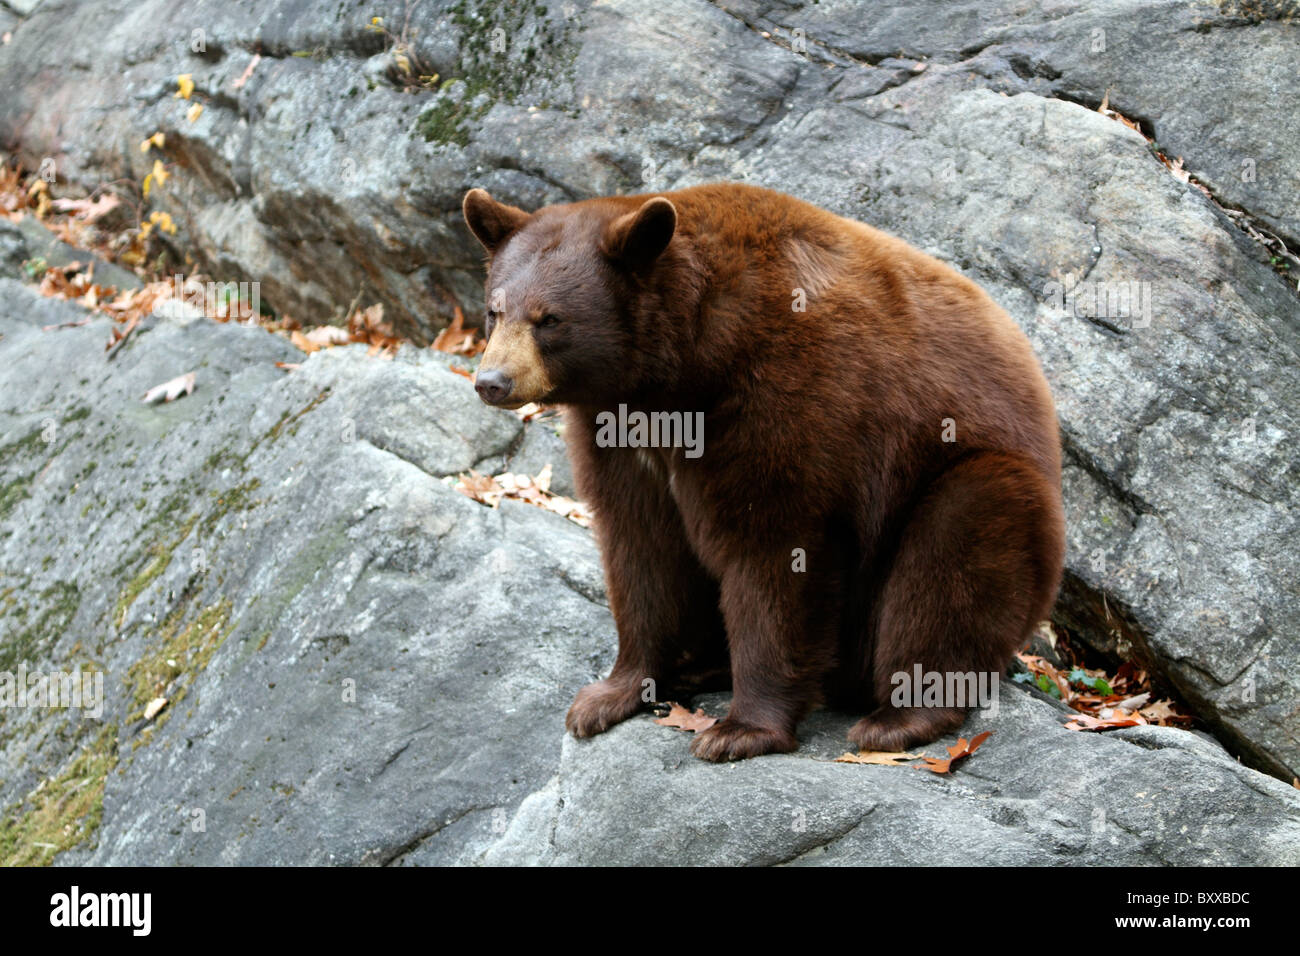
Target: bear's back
(903,334)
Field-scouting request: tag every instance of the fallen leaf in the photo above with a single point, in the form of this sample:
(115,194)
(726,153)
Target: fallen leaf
(248,71)
(157,176)
(457,339)
(879,757)
(87,210)
(1085,722)
(1163,712)
(324,336)
(482,488)
(543,479)
(1134,703)
(162,220)
(157,139)
(194,112)
(681,718)
(304,343)
(168,391)
(956,753)
(154,707)
(185,86)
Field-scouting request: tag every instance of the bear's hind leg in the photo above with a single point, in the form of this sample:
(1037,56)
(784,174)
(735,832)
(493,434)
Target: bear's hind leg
(977,566)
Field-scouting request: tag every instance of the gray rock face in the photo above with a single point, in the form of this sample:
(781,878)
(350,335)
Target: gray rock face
(330,172)
(364,666)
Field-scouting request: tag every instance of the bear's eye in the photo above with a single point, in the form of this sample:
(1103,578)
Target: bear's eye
(488,326)
(548,320)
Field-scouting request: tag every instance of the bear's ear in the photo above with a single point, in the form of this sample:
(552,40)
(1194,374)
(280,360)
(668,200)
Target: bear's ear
(491,221)
(638,238)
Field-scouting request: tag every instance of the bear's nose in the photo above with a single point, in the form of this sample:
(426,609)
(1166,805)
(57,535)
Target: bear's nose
(493,386)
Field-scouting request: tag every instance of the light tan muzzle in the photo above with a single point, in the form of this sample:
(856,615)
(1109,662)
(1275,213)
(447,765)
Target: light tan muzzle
(511,372)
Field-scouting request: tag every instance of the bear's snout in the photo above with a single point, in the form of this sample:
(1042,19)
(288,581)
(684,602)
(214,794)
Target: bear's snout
(493,386)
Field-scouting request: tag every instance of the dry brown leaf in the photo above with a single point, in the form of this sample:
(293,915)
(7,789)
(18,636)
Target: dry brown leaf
(324,336)
(489,490)
(368,326)
(87,210)
(1087,722)
(120,335)
(457,339)
(1163,712)
(169,391)
(304,343)
(681,718)
(956,753)
(482,488)
(1136,702)
(881,758)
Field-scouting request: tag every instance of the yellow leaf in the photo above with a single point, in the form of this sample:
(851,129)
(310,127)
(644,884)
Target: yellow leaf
(155,140)
(186,83)
(159,173)
(163,221)
(195,112)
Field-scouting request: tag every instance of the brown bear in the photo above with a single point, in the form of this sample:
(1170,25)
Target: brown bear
(874,486)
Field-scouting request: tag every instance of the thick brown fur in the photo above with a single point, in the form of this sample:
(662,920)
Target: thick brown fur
(824,431)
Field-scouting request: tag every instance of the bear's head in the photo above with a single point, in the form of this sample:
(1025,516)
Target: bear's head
(564,293)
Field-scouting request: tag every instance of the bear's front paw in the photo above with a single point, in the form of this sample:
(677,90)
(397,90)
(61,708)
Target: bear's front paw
(735,740)
(600,706)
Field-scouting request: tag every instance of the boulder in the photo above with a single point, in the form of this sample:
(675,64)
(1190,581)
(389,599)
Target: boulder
(361,665)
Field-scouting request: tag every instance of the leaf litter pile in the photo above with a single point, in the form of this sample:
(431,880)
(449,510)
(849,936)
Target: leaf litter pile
(1103,701)
(115,230)
(489,490)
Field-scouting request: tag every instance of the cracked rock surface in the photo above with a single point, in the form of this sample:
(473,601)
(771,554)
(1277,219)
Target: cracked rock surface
(967,129)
